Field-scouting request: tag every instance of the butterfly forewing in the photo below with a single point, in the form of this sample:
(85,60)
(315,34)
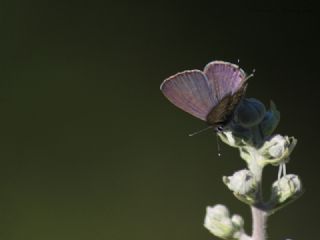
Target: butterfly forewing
(190,92)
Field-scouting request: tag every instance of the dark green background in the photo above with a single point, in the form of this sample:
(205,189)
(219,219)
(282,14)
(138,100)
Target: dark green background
(89,147)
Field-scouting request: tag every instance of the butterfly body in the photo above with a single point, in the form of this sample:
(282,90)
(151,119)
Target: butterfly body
(210,95)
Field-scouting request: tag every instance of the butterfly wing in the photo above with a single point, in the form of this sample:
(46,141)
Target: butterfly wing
(224,78)
(221,113)
(189,91)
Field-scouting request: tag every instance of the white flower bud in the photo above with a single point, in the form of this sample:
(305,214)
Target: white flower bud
(219,223)
(285,188)
(277,150)
(242,183)
(218,211)
(229,138)
(237,220)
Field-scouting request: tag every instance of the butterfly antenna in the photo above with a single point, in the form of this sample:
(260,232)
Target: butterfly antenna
(251,75)
(238,62)
(200,131)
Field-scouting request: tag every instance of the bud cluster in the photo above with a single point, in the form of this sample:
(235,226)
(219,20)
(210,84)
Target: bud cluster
(250,130)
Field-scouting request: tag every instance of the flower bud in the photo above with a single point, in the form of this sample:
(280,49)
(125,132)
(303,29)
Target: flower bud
(219,223)
(229,138)
(237,220)
(249,113)
(238,223)
(287,187)
(277,150)
(243,185)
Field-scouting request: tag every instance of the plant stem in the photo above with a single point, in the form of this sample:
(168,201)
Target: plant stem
(259,215)
(259,223)
(245,237)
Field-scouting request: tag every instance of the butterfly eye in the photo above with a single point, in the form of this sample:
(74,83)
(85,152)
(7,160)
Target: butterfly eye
(219,128)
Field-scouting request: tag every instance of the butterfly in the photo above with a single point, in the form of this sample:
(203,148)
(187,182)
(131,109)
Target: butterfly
(211,95)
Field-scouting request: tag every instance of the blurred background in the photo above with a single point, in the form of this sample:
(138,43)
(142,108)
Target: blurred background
(89,147)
